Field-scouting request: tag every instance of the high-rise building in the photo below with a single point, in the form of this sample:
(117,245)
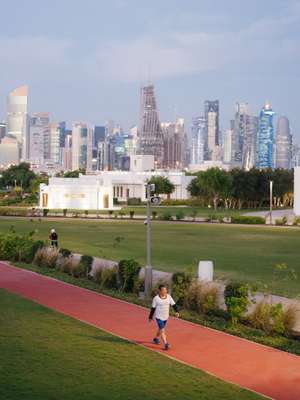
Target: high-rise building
(2,130)
(227,146)
(17,118)
(99,135)
(82,143)
(173,148)
(244,135)
(151,139)
(283,144)
(211,113)
(55,140)
(67,153)
(9,152)
(265,139)
(198,132)
(38,134)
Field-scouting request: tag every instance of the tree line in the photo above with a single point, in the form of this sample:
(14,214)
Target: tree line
(238,188)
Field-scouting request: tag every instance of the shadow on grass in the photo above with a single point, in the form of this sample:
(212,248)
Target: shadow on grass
(115,339)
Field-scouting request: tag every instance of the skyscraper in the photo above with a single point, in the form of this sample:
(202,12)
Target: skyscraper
(55,140)
(283,144)
(151,139)
(198,131)
(2,130)
(265,139)
(17,118)
(244,136)
(227,152)
(38,133)
(173,149)
(82,142)
(211,113)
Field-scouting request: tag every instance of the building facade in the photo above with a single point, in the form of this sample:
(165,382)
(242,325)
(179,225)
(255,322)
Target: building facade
(283,144)
(95,192)
(265,139)
(38,133)
(82,144)
(211,113)
(198,132)
(150,134)
(18,120)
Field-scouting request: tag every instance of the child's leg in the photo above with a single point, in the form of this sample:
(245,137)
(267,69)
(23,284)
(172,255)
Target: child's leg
(158,333)
(163,335)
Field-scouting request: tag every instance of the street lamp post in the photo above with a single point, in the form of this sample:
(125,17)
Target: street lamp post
(271,202)
(148,269)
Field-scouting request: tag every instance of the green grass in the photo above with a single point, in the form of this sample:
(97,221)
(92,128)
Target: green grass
(246,253)
(45,355)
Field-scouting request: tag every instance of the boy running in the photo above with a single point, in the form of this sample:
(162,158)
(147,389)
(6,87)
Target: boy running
(161,307)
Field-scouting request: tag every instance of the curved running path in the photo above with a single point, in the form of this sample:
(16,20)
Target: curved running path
(259,368)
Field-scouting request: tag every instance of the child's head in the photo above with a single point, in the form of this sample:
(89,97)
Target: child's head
(162,290)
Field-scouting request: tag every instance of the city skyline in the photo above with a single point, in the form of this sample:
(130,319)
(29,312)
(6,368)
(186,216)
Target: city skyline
(192,54)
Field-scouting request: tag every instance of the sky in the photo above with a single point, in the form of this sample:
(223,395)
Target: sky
(86,60)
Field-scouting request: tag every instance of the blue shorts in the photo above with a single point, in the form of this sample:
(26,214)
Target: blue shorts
(160,323)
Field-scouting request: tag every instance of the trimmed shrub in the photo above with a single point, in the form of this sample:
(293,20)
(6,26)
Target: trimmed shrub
(110,213)
(86,261)
(243,219)
(78,270)
(65,252)
(154,214)
(67,264)
(131,213)
(236,300)
(65,211)
(45,212)
(296,221)
(181,282)
(180,215)
(86,213)
(128,273)
(202,298)
(279,222)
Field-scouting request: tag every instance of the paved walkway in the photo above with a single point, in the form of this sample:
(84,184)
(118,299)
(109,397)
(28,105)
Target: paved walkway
(265,370)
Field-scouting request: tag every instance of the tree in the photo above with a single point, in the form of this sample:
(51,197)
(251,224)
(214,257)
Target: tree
(162,185)
(74,174)
(214,184)
(17,175)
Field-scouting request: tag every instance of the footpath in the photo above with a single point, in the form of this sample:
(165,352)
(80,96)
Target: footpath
(265,370)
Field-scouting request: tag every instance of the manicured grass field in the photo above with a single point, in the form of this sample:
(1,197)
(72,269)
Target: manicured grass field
(45,355)
(245,253)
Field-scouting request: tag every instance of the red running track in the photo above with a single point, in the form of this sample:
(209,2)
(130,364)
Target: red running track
(259,368)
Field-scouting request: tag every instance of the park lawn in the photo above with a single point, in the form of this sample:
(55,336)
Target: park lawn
(45,355)
(246,253)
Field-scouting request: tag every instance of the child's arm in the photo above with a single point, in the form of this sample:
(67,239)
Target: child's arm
(152,311)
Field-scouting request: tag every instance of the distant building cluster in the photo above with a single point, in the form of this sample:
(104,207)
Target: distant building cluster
(249,141)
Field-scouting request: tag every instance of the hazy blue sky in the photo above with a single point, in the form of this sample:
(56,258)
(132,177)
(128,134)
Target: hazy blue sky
(85,60)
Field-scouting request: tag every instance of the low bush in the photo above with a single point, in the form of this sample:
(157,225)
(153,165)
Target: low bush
(181,282)
(67,264)
(134,201)
(154,214)
(128,273)
(139,286)
(15,247)
(202,298)
(86,213)
(243,219)
(279,222)
(179,215)
(45,212)
(78,270)
(110,213)
(166,216)
(296,221)
(107,278)
(274,318)
(65,212)
(46,257)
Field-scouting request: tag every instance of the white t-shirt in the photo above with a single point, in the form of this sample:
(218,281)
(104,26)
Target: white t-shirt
(162,306)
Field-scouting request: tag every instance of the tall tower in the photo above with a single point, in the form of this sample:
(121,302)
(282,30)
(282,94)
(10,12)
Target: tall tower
(265,139)
(211,113)
(283,144)
(151,138)
(39,137)
(17,118)
(82,144)
(244,137)
(198,140)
